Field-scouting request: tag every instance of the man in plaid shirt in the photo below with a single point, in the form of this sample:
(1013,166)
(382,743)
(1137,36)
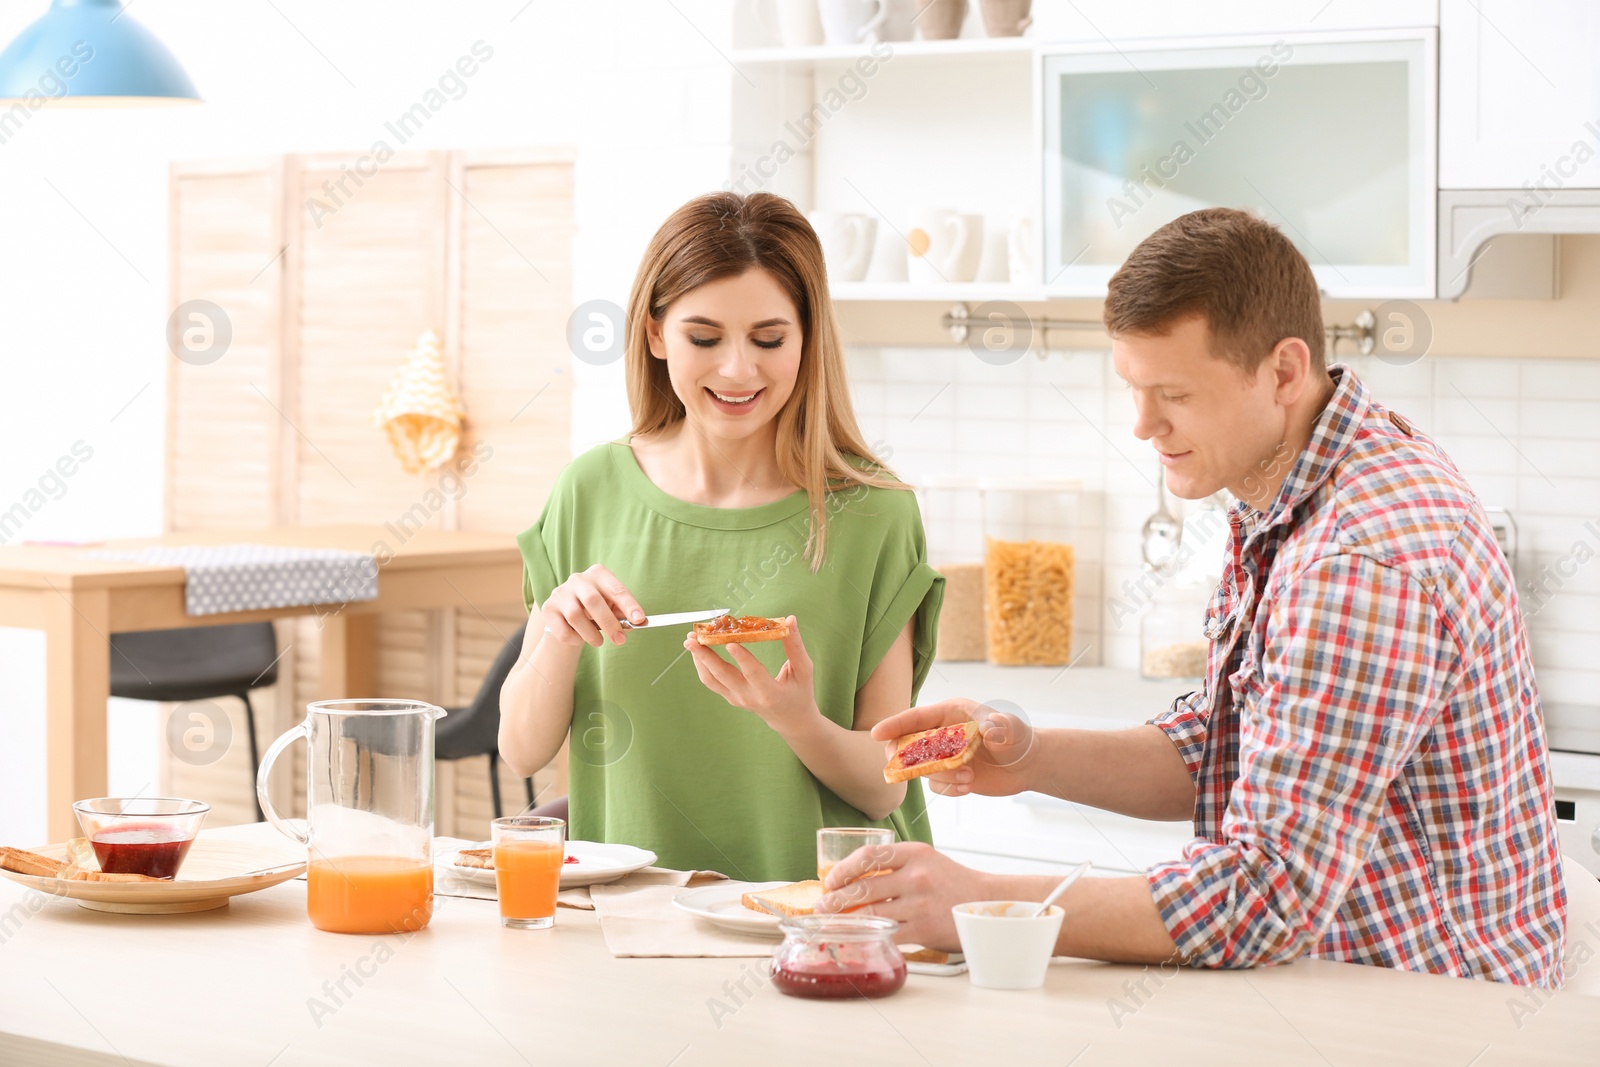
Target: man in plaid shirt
(1366,765)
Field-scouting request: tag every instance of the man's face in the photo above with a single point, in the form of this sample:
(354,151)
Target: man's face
(1212,425)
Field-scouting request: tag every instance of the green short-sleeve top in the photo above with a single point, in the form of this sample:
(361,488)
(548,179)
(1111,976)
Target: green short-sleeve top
(659,761)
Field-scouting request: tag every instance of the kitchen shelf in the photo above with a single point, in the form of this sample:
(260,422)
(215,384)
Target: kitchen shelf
(959,48)
(949,292)
(999,483)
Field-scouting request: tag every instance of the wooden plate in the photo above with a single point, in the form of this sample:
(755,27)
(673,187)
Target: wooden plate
(212,872)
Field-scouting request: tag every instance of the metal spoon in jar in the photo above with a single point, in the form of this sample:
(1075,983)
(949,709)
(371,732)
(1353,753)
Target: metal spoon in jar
(1162,532)
(1061,887)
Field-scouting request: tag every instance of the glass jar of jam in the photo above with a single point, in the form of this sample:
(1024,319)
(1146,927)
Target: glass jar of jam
(830,957)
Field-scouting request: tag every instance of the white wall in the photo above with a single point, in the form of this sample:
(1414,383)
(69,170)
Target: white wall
(638,86)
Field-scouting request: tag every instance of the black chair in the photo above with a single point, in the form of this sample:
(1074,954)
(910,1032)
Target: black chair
(475,729)
(198,663)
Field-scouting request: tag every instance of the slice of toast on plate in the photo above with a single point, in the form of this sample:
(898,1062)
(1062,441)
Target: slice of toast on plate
(24,862)
(797,898)
(481,858)
(81,875)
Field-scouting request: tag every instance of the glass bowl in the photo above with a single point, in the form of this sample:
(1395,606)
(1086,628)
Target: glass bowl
(141,835)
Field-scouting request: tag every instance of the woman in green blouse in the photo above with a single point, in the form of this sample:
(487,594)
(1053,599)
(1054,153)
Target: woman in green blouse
(744,484)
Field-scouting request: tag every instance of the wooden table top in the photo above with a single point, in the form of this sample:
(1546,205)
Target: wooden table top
(75,567)
(256,984)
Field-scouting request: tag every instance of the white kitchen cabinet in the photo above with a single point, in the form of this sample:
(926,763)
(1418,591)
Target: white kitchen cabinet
(1329,136)
(1519,94)
(1098,21)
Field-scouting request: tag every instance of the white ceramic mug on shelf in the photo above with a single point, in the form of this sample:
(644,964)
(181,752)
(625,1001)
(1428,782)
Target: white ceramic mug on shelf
(943,246)
(847,242)
(852,21)
(799,24)
(900,22)
(994,265)
(1023,252)
(888,263)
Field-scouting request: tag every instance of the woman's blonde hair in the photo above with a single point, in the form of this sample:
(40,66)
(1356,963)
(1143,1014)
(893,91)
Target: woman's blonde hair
(722,235)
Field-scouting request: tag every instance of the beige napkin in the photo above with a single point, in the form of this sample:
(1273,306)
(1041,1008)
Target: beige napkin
(640,920)
(447,882)
(581,897)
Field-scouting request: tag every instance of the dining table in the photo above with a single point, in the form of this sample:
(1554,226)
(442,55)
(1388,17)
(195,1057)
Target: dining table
(79,595)
(254,984)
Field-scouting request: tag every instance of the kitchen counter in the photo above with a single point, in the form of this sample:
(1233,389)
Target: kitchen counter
(1094,697)
(1041,834)
(255,984)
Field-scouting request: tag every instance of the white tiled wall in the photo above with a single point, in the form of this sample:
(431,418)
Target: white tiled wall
(1526,433)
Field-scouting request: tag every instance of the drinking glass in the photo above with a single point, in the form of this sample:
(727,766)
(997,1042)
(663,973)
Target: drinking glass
(528,853)
(836,843)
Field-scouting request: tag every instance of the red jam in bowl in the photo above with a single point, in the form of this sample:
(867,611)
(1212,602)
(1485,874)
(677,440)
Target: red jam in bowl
(831,957)
(134,848)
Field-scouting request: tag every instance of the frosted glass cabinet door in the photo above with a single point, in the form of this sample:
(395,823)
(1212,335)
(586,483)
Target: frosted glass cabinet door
(1332,140)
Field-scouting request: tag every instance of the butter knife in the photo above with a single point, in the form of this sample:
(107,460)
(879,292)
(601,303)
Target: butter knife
(681,618)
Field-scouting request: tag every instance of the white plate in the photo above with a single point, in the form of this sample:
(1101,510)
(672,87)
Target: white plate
(598,862)
(720,905)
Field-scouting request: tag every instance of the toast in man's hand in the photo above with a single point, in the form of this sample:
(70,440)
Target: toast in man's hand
(797,898)
(740,630)
(23,862)
(943,748)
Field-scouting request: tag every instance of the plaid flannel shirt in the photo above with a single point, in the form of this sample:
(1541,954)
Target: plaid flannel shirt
(1371,779)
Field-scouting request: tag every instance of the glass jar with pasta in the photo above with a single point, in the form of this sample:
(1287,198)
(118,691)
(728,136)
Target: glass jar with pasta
(1029,569)
(952,515)
(1172,640)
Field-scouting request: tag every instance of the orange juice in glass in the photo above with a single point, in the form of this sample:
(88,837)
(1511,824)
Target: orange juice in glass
(369,894)
(529,851)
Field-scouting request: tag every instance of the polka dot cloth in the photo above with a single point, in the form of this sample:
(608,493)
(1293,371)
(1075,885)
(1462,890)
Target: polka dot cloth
(223,578)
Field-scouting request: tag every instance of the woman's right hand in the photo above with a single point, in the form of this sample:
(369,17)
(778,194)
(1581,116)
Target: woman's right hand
(1001,767)
(586,609)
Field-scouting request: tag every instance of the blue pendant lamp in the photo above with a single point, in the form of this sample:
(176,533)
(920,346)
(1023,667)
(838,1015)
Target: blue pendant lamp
(87,53)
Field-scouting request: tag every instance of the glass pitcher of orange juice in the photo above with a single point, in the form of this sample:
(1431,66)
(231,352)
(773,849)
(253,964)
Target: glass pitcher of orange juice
(369,813)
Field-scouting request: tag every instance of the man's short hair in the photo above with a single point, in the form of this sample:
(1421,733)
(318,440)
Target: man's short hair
(1241,274)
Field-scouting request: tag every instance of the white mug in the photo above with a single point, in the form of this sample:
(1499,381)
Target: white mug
(847,242)
(798,22)
(900,23)
(852,21)
(888,257)
(943,246)
(995,263)
(1023,252)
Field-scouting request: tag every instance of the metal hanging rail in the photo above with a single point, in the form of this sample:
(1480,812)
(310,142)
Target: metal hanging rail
(960,320)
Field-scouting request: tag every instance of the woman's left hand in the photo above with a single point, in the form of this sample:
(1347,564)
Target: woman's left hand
(779,699)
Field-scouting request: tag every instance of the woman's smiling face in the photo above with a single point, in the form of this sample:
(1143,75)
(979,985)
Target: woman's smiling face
(732,349)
